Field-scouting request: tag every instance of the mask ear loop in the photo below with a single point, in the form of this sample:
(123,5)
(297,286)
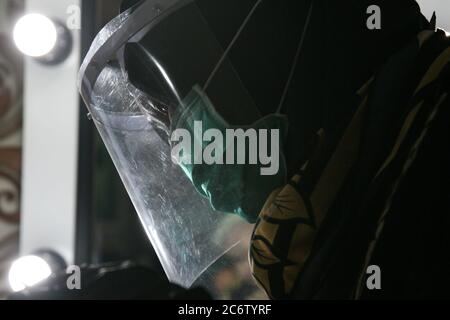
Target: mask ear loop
(294,65)
(297,55)
(233,41)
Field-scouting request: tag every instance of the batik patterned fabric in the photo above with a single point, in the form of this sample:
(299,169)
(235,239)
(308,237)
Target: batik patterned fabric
(285,235)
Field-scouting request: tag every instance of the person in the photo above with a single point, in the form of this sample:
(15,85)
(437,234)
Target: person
(366,216)
(358,110)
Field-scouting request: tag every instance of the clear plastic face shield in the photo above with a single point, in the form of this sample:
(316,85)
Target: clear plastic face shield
(147,72)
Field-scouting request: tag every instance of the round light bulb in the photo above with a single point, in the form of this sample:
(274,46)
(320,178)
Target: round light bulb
(27,271)
(35,35)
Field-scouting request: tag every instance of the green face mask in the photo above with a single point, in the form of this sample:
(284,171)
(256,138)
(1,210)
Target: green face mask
(243,186)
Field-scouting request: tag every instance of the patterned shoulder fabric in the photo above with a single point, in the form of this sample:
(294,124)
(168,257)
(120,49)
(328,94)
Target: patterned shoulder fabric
(287,226)
(430,96)
(286,231)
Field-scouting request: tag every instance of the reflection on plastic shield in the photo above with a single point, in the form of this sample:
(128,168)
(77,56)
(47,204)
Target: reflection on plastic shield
(195,244)
(179,222)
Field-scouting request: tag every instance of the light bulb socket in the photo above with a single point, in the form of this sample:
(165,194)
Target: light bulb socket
(63,46)
(55,261)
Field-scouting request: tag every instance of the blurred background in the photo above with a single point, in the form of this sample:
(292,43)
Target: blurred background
(59,190)
(68,162)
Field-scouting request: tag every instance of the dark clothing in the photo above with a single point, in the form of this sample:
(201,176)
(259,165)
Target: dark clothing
(361,199)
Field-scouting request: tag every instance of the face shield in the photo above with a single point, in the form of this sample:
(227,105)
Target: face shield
(159,67)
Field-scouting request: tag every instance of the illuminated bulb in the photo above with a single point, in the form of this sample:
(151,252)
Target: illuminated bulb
(35,35)
(28,271)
